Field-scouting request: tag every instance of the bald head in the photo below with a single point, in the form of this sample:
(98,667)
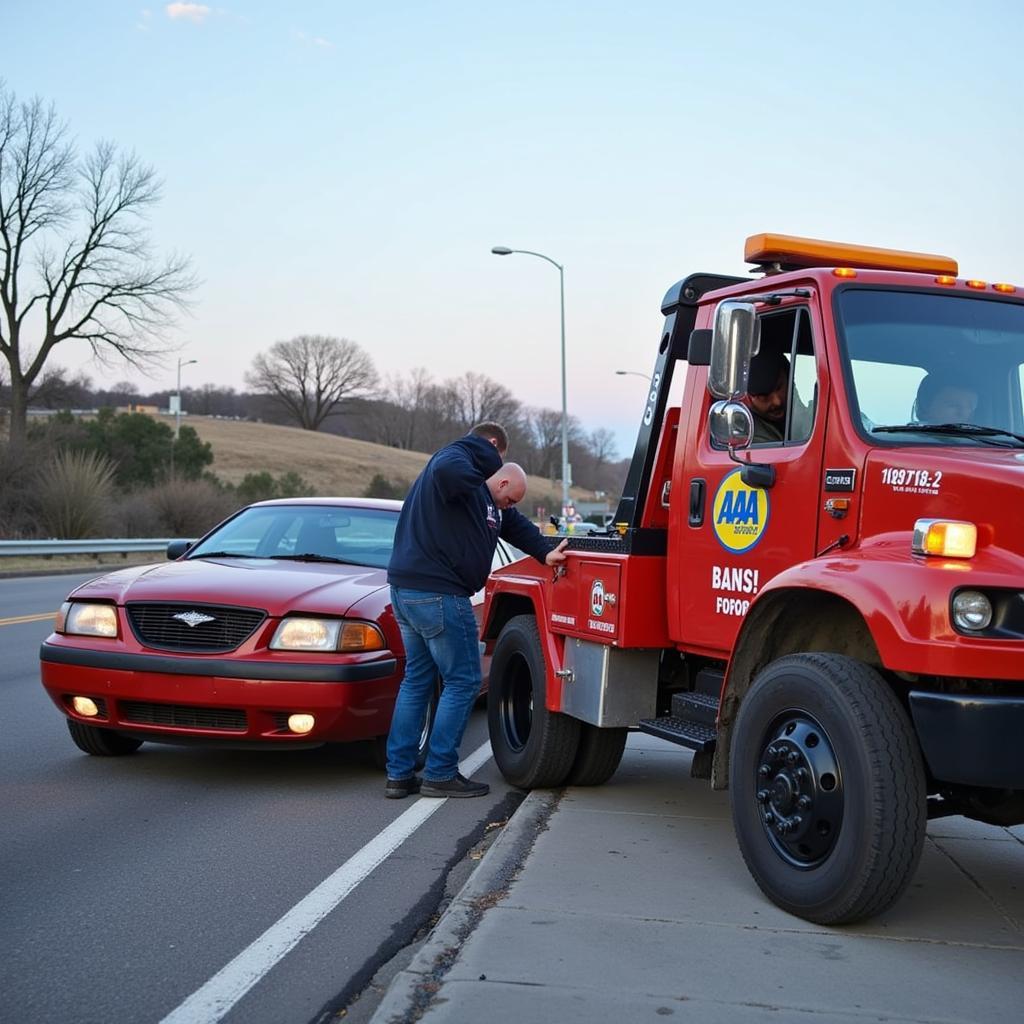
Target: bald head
(508,485)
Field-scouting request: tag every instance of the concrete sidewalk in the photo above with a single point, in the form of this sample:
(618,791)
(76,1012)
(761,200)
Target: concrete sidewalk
(630,901)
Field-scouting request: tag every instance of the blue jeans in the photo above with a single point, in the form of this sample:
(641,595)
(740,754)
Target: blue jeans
(440,638)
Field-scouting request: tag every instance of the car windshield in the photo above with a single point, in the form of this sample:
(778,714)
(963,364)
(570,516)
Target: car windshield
(929,368)
(306,533)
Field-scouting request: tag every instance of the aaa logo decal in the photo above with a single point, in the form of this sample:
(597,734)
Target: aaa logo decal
(739,514)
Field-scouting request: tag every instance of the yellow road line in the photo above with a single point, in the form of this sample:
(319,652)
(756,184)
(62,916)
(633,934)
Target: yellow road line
(18,619)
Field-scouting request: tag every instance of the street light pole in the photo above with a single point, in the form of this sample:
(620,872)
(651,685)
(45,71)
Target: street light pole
(177,411)
(501,250)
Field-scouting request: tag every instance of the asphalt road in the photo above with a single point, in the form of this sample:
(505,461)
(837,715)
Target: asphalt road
(128,883)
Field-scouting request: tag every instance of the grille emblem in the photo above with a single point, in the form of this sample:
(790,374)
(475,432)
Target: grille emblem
(193,619)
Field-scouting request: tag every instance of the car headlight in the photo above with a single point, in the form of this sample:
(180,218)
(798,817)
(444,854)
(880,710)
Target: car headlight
(298,633)
(81,618)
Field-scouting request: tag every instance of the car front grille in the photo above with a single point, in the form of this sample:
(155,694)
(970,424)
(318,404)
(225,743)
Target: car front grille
(181,717)
(214,629)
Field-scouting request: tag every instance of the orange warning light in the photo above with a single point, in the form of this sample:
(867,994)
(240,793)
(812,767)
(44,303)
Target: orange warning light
(790,252)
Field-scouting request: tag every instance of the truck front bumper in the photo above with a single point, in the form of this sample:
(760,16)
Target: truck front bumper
(971,740)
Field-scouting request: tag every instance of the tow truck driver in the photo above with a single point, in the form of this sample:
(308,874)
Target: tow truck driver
(768,389)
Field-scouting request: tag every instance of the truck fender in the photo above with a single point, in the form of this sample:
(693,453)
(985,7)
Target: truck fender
(844,606)
(522,596)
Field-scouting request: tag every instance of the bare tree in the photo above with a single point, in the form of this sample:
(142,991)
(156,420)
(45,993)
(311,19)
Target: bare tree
(475,397)
(311,376)
(76,262)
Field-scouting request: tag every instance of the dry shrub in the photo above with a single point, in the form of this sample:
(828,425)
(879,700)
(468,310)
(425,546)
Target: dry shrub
(19,466)
(188,508)
(135,516)
(72,493)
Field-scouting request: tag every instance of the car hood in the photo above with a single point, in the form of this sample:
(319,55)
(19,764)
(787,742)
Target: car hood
(278,586)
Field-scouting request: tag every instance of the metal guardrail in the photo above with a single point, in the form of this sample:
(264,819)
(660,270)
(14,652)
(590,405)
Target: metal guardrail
(89,546)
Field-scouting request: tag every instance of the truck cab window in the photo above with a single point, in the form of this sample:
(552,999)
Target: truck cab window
(784,380)
(934,369)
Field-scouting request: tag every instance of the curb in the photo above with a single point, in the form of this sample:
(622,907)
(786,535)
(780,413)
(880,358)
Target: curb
(414,989)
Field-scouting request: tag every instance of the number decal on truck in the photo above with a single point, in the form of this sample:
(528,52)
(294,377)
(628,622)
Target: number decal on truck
(912,481)
(739,514)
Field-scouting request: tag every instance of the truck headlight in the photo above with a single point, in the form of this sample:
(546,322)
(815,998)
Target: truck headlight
(81,618)
(299,633)
(972,611)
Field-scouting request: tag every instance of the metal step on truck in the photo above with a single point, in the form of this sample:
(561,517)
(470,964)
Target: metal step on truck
(815,576)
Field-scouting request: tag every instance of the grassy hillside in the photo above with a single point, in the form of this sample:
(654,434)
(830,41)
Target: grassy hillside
(334,465)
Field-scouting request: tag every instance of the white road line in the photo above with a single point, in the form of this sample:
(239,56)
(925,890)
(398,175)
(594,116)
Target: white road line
(216,998)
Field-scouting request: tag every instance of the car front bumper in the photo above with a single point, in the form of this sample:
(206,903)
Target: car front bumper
(168,696)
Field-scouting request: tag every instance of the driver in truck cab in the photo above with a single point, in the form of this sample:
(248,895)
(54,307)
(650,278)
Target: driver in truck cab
(944,400)
(768,398)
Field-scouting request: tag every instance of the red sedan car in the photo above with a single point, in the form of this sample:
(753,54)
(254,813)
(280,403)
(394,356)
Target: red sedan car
(275,627)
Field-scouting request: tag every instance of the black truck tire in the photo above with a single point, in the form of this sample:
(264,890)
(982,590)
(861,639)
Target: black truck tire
(827,788)
(101,742)
(533,747)
(598,756)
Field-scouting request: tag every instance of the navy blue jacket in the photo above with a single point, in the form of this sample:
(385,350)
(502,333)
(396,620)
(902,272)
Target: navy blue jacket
(449,524)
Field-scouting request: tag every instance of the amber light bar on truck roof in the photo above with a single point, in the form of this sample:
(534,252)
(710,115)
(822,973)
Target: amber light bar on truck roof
(788,252)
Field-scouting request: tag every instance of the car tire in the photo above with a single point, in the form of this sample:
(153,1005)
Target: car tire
(380,743)
(428,726)
(101,742)
(598,755)
(534,748)
(827,788)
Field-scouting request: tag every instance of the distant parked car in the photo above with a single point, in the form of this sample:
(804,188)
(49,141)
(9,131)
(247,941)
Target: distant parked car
(276,627)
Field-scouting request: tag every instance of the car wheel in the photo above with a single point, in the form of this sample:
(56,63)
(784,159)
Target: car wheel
(598,755)
(533,747)
(827,788)
(428,727)
(380,743)
(101,742)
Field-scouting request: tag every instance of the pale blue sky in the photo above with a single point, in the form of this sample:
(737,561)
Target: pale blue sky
(345,168)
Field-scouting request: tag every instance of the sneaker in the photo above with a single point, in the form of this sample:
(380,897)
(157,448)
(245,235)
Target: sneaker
(459,786)
(396,789)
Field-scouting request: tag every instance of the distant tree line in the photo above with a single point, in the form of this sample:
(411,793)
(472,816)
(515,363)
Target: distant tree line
(412,411)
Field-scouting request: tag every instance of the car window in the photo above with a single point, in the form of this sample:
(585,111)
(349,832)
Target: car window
(362,536)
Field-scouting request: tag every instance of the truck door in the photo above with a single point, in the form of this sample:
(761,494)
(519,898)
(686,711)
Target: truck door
(727,538)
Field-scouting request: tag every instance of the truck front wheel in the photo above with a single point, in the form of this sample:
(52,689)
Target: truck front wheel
(533,747)
(827,788)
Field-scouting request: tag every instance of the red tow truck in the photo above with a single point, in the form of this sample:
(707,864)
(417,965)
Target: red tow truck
(832,621)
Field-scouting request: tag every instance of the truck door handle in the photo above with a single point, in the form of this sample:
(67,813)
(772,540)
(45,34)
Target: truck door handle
(696,502)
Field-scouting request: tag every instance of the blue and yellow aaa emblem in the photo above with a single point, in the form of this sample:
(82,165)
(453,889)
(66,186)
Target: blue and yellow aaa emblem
(739,514)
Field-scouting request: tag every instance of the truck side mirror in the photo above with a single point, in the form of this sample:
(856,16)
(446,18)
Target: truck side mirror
(731,425)
(734,342)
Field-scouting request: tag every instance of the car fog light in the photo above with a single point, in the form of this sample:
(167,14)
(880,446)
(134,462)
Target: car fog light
(85,706)
(301,723)
(972,610)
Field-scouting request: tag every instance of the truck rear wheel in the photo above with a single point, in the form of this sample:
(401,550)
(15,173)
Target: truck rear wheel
(533,747)
(827,788)
(598,756)
(101,742)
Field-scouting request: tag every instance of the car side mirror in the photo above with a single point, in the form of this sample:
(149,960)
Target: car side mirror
(177,548)
(734,342)
(731,425)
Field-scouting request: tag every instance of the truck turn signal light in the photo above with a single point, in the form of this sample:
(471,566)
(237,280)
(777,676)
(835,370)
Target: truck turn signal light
(948,538)
(791,252)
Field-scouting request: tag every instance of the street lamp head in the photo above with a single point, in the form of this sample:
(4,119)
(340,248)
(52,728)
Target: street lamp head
(501,250)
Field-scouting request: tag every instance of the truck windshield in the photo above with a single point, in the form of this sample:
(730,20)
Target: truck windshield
(932,369)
